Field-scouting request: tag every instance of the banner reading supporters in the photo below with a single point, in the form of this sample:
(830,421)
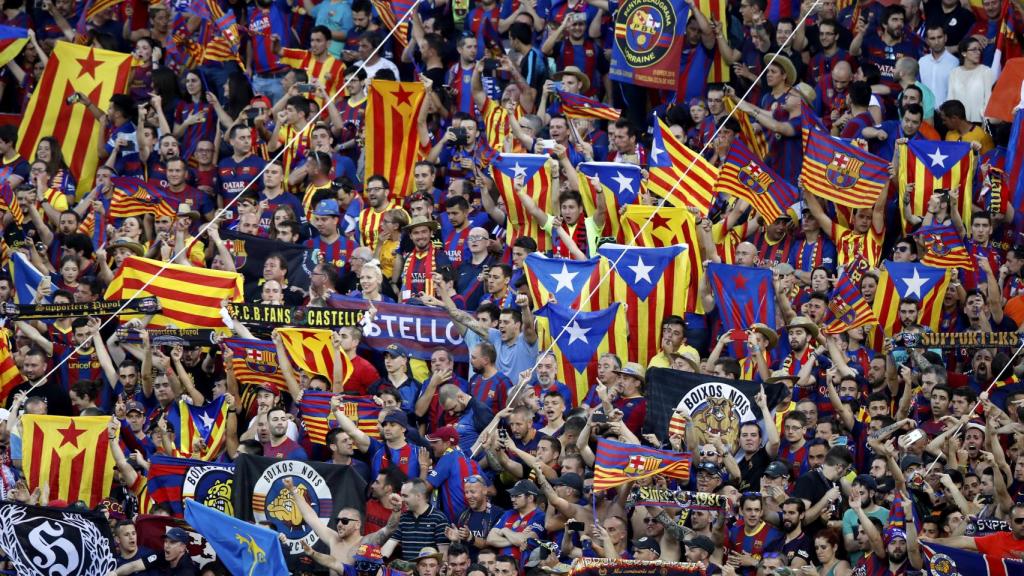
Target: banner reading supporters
(260,496)
(716,406)
(169,336)
(76,309)
(42,541)
(648,42)
(417,329)
(97,73)
(296,316)
(605,567)
(958,340)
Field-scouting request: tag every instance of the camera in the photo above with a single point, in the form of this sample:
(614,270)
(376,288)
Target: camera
(599,418)
(305,88)
(574,526)
(461,137)
(490,65)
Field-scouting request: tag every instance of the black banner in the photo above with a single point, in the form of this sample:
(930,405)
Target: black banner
(251,253)
(665,498)
(44,541)
(259,496)
(716,406)
(985,526)
(146,305)
(957,340)
(294,316)
(605,567)
(170,336)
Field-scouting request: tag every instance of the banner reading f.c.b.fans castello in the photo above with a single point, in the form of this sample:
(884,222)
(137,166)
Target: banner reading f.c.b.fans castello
(648,41)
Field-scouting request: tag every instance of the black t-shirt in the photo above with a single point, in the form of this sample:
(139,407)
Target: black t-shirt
(752,469)
(956,23)
(800,547)
(812,487)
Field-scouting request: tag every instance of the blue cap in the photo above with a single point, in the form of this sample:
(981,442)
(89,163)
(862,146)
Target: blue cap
(178,535)
(327,208)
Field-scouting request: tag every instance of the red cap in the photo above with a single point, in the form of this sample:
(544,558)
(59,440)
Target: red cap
(444,434)
(261,98)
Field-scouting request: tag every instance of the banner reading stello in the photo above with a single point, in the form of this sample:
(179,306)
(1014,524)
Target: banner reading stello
(419,330)
(648,42)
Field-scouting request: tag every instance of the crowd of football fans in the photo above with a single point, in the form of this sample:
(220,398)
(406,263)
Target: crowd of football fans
(483,481)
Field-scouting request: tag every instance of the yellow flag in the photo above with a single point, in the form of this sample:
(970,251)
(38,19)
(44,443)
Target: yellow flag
(392,139)
(310,350)
(71,456)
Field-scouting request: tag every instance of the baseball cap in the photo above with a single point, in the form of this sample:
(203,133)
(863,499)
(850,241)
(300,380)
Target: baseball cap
(327,207)
(885,484)
(777,469)
(398,417)
(570,479)
(524,487)
(395,350)
(710,468)
(702,542)
(910,460)
(177,535)
(647,543)
(444,434)
(134,406)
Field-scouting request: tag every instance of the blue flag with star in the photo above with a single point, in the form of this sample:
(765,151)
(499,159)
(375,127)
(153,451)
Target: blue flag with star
(744,295)
(623,180)
(578,334)
(560,278)
(242,547)
(913,279)
(939,157)
(900,280)
(641,268)
(515,165)
(25,278)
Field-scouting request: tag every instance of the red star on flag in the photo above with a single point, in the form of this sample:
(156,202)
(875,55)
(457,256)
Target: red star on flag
(402,96)
(70,435)
(89,65)
(659,221)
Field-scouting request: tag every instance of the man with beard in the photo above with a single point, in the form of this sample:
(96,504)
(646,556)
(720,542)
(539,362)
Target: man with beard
(280,445)
(546,379)
(378,203)
(774,484)
(798,546)
(465,412)
(348,534)
(423,262)
(819,488)
(801,333)
(748,541)
(895,552)
(863,490)
(883,47)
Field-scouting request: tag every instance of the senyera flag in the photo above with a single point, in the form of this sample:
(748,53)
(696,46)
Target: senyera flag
(617,463)
(579,106)
(842,173)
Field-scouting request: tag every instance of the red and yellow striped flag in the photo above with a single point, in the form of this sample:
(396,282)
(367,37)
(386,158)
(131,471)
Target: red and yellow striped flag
(71,456)
(496,125)
(678,174)
(714,11)
(930,165)
(311,351)
(536,175)
(754,139)
(97,73)
(10,376)
(392,138)
(330,72)
(189,297)
(12,42)
(9,203)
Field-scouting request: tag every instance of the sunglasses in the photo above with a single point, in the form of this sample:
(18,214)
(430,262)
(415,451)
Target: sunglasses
(1018,521)
(345,521)
(708,453)
(474,479)
(649,520)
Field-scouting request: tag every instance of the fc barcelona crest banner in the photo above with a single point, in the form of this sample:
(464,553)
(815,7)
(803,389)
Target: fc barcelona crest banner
(648,42)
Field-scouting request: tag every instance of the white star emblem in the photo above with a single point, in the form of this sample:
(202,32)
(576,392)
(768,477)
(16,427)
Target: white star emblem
(518,171)
(564,279)
(625,183)
(938,158)
(207,421)
(576,332)
(915,284)
(641,270)
(656,150)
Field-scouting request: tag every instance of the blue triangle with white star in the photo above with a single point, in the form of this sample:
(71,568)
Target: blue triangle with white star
(623,180)
(913,279)
(525,165)
(564,278)
(640,268)
(578,334)
(939,157)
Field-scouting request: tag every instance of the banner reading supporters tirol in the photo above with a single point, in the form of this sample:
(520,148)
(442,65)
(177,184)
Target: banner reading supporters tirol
(74,309)
(957,340)
(648,42)
(605,567)
(419,330)
(169,336)
(666,498)
(716,406)
(293,316)
(45,541)
(260,496)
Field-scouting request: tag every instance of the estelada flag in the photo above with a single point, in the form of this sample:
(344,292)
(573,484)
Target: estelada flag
(652,283)
(192,423)
(255,362)
(944,248)
(563,279)
(171,480)
(496,124)
(311,350)
(579,106)
(745,176)
(679,175)
(848,306)
(10,376)
(390,12)
(842,173)
(98,74)
(902,279)
(616,463)
(70,456)
(12,41)
(392,137)
(619,185)
(315,407)
(135,197)
(658,227)
(533,169)
(930,165)
(190,297)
